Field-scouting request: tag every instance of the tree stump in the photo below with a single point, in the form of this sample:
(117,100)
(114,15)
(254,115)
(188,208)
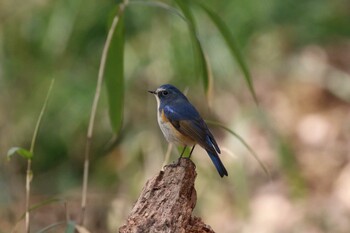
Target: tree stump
(166,203)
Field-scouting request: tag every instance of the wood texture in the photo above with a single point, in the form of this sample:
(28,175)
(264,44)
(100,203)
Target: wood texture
(166,203)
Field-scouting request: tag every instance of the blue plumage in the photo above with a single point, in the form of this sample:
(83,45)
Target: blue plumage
(181,123)
(218,164)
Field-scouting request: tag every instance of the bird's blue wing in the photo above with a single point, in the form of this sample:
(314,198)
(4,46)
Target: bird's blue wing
(186,119)
(181,111)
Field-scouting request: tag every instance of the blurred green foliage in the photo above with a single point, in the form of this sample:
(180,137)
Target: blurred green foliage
(63,39)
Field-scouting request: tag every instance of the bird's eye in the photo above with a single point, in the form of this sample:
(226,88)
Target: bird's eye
(165,93)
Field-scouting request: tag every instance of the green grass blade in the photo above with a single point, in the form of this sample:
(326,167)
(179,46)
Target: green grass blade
(203,67)
(200,59)
(186,15)
(252,152)
(232,44)
(186,12)
(114,75)
(20,151)
(40,116)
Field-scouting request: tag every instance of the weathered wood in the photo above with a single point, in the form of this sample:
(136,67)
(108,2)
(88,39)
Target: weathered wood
(166,203)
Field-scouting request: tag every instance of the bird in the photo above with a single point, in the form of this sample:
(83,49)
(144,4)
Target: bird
(182,125)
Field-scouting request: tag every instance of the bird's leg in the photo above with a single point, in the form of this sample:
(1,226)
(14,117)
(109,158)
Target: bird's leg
(183,152)
(178,161)
(191,151)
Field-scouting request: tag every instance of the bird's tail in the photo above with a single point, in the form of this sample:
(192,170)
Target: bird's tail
(218,164)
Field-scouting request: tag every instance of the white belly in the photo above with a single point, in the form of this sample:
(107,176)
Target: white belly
(172,135)
(167,130)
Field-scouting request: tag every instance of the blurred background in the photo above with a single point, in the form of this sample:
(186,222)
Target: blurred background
(298,53)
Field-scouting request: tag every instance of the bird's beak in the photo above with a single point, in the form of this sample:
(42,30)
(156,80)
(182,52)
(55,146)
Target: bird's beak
(152,92)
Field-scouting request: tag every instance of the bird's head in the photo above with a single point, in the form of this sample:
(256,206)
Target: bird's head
(167,93)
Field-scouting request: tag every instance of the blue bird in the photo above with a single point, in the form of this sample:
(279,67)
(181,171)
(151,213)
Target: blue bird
(182,125)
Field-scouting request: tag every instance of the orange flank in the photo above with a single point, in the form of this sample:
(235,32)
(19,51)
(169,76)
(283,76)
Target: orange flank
(163,117)
(173,134)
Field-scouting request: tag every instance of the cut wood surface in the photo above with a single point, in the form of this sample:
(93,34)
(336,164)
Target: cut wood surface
(166,203)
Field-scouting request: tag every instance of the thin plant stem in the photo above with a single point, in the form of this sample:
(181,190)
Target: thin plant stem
(28,180)
(40,117)
(94,108)
(29,174)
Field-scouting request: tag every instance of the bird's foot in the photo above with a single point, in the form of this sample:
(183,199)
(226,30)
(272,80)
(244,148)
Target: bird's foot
(176,163)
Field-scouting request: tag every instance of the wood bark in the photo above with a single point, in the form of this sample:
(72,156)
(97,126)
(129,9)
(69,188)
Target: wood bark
(166,203)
